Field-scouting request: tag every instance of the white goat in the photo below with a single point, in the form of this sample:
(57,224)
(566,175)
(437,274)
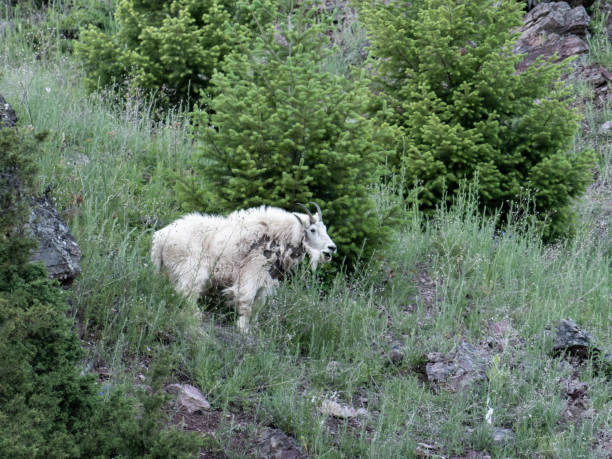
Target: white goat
(244,254)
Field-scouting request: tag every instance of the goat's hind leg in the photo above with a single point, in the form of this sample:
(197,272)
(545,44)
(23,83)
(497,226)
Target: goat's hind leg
(194,280)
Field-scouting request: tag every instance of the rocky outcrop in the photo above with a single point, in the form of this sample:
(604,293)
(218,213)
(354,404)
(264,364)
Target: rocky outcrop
(559,30)
(572,3)
(553,29)
(8,118)
(599,79)
(57,248)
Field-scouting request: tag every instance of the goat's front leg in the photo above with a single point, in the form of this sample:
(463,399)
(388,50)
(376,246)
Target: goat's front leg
(244,296)
(244,317)
(252,288)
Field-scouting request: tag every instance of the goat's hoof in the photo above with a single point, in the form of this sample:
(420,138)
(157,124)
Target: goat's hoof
(243,324)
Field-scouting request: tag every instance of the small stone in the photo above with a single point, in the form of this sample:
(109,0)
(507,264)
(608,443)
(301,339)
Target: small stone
(275,444)
(428,447)
(189,397)
(396,355)
(103,372)
(576,389)
(434,357)
(333,408)
(502,435)
(606,128)
(471,454)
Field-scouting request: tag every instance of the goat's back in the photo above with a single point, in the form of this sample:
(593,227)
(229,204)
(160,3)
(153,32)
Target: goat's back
(223,244)
(189,236)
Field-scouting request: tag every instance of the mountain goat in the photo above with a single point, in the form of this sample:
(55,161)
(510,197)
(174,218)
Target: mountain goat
(244,254)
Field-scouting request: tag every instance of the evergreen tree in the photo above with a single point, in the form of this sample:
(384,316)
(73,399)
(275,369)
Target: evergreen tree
(447,79)
(284,131)
(169,48)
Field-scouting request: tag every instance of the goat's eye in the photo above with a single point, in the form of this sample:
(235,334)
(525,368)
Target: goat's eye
(312,230)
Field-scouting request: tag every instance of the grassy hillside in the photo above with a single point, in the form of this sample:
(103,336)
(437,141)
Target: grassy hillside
(362,339)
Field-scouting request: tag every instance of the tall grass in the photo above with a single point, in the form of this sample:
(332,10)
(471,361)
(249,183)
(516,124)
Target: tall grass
(600,49)
(111,166)
(442,281)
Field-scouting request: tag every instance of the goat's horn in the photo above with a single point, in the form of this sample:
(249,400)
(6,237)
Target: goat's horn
(312,219)
(318,209)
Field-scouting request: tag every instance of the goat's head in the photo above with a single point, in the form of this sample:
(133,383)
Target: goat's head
(317,242)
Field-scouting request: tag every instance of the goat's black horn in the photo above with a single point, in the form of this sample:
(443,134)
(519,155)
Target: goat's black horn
(318,209)
(312,219)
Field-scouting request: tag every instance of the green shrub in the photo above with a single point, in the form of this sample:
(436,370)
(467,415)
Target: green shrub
(168,48)
(284,131)
(47,407)
(447,78)
(49,27)
(71,16)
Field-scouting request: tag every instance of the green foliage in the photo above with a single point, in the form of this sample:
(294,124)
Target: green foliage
(285,131)
(45,400)
(47,407)
(448,80)
(71,16)
(169,48)
(600,48)
(49,27)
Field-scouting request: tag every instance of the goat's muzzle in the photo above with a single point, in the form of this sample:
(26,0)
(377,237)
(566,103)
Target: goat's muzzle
(327,254)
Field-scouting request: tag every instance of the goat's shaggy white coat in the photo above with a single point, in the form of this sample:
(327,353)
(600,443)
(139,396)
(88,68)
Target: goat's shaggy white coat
(244,254)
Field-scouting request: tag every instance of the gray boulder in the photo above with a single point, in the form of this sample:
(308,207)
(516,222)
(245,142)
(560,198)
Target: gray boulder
(573,340)
(57,248)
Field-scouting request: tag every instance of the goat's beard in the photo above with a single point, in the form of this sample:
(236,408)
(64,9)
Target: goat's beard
(316,258)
